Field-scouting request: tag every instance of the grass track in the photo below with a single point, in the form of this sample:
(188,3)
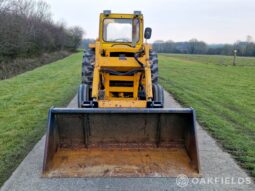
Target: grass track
(223,97)
(24,103)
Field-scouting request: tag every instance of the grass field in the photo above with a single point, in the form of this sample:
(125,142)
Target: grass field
(215,59)
(223,96)
(24,103)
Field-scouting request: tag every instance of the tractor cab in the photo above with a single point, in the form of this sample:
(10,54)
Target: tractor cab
(121,33)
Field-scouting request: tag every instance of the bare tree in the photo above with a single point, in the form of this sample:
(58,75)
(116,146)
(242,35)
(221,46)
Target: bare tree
(27,29)
(76,34)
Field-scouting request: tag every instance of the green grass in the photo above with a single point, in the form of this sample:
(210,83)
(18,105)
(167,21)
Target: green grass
(215,59)
(24,103)
(224,98)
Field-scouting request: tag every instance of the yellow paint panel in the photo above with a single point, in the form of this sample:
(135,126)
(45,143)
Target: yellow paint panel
(121,78)
(116,62)
(121,89)
(92,45)
(122,104)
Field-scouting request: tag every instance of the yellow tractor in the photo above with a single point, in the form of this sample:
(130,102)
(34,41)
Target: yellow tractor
(120,70)
(121,128)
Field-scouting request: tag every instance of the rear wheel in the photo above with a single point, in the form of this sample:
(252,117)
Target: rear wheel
(88,66)
(154,66)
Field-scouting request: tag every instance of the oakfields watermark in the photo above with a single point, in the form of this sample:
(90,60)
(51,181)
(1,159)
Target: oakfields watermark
(182,180)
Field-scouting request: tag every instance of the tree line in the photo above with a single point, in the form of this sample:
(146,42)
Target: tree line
(194,46)
(27,29)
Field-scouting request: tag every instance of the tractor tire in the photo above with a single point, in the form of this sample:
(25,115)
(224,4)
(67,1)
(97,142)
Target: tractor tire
(158,94)
(154,67)
(88,67)
(83,94)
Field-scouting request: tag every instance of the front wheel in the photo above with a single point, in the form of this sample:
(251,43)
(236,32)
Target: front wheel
(158,96)
(83,94)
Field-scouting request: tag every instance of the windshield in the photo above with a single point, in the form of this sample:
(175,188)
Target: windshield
(120,30)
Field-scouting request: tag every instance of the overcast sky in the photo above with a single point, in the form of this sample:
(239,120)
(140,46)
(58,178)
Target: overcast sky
(213,21)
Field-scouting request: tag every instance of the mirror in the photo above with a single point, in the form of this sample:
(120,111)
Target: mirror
(147,33)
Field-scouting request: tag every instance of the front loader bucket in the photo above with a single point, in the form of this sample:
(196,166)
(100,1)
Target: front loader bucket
(121,143)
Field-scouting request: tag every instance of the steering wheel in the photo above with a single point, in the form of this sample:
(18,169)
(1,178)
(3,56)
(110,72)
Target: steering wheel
(121,40)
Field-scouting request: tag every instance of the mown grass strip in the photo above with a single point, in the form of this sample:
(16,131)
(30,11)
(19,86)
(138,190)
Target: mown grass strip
(215,59)
(223,97)
(24,103)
